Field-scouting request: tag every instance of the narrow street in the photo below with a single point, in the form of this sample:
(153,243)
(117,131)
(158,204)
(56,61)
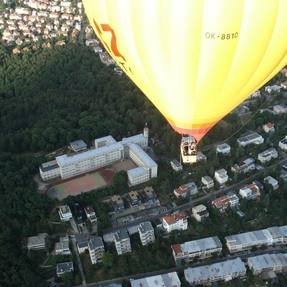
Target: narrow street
(81,269)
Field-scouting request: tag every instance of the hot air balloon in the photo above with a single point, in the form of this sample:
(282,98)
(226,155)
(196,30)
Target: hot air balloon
(196,60)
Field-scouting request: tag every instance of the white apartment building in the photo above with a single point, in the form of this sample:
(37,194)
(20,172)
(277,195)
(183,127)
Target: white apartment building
(147,166)
(163,280)
(200,212)
(267,155)
(146,233)
(244,166)
(267,263)
(75,164)
(207,181)
(250,191)
(90,213)
(62,247)
(96,249)
(283,144)
(196,249)
(37,242)
(122,242)
(250,138)
(223,149)
(49,170)
(222,271)
(221,176)
(65,213)
(246,241)
(272,181)
(176,221)
(276,235)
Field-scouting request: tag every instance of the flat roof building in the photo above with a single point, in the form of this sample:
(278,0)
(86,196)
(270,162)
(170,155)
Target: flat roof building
(200,212)
(250,138)
(268,262)
(221,176)
(104,141)
(196,249)
(207,181)
(223,149)
(65,213)
(96,249)
(122,242)
(222,271)
(37,242)
(146,233)
(163,280)
(78,145)
(176,165)
(244,166)
(63,268)
(267,155)
(49,170)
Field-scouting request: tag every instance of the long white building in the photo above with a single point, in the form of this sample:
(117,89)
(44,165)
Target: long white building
(106,151)
(147,166)
(222,271)
(250,138)
(79,163)
(264,237)
(163,280)
(268,262)
(201,248)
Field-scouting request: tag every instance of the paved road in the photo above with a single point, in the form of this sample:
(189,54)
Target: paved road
(243,256)
(81,269)
(205,198)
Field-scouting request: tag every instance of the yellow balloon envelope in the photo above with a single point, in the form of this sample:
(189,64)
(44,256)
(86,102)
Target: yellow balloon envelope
(196,60)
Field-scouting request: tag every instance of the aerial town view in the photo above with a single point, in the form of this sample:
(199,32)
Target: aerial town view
(143,143)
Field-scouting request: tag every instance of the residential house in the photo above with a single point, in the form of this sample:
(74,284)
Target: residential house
(207,181)
(200,212)
(221,176)
(176,221)
(223,149)
(122,242)
(96,249)
(272,181)
(146,233)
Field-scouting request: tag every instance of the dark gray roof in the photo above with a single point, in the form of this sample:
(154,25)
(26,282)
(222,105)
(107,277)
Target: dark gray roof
(82,239)
(78,145)
(121,235)
(50,165)
(145,227)
(96,242)
(65,267)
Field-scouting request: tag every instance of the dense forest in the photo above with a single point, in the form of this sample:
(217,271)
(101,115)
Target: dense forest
(48,98)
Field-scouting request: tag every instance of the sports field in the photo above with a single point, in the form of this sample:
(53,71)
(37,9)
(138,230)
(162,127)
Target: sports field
(91,181)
